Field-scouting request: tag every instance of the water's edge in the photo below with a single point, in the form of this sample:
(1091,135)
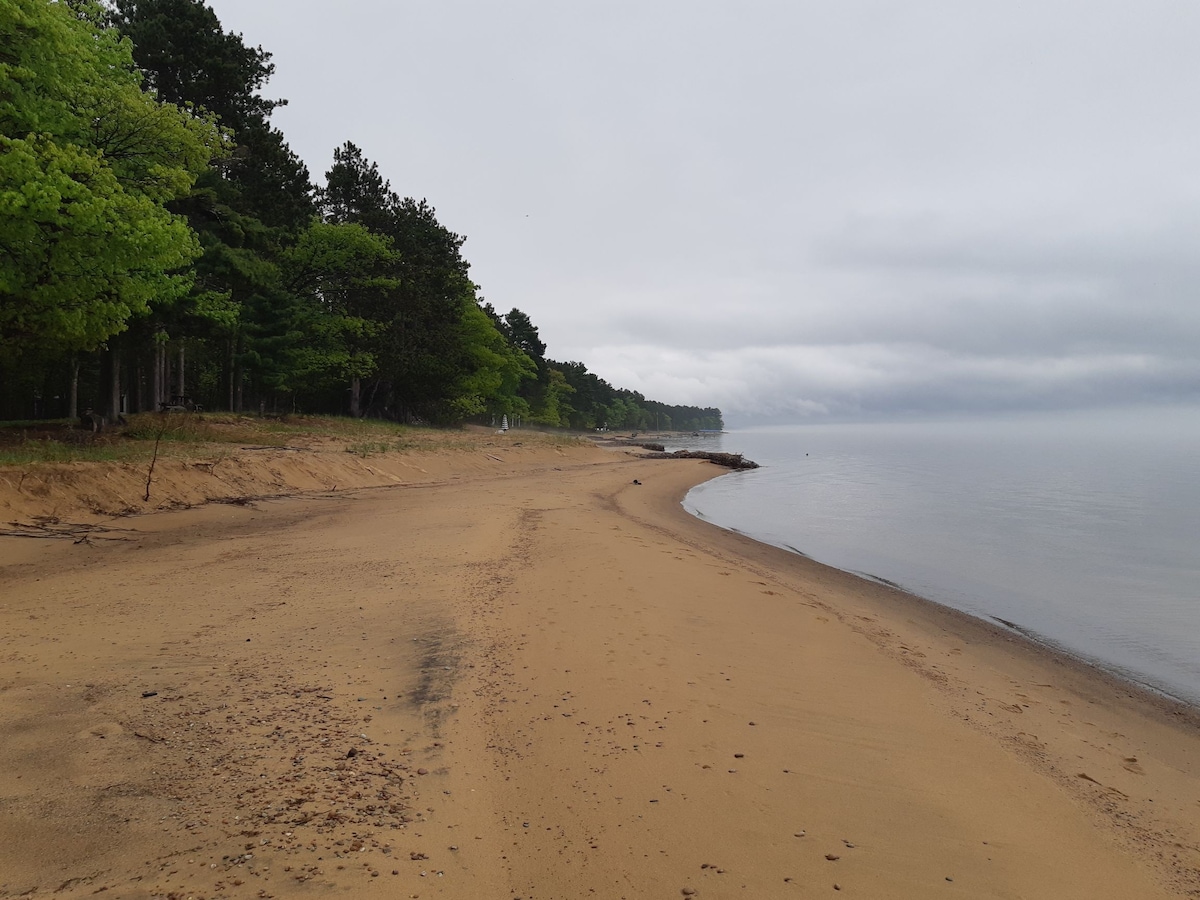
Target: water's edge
(1114,676)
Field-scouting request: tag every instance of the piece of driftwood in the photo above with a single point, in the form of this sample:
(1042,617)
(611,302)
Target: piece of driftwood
(625,442)
(728,460)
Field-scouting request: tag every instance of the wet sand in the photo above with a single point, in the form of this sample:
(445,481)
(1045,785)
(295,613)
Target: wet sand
(532,678)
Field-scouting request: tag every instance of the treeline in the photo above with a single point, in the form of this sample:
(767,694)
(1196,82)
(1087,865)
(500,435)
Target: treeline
(161,243)
(570,396)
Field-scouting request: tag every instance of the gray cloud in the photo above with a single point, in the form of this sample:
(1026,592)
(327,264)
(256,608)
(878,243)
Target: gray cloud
(794,209)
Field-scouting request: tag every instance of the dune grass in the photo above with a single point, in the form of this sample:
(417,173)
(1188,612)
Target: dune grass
(45,450)
(187,434)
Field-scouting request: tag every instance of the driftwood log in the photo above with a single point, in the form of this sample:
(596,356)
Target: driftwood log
(728,460)
(625,442)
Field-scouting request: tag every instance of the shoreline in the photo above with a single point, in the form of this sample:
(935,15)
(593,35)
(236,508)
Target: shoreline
(1163,684)
(943,616)
(1096,668)
(534,677)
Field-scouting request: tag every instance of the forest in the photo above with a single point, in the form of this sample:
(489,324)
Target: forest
(161,246)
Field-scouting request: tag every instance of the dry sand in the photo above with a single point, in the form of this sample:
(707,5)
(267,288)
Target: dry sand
(515,673)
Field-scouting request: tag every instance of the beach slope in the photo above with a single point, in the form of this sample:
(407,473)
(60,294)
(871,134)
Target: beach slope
(531,677)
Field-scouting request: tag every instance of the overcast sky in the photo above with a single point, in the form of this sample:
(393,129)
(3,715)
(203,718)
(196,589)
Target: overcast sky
(792,209)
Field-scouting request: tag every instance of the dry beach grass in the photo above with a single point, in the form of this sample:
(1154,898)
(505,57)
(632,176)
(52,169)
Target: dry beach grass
(498,668)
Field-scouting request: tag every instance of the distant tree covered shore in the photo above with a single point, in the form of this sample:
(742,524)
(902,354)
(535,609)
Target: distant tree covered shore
(160,243)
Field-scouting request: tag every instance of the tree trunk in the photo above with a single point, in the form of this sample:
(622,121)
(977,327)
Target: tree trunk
(73,390)
(182,391)
(238,392)
(156,390)
(138,401)
(110,377)
(166,364)
(355,395)
(371,397)
(232,369)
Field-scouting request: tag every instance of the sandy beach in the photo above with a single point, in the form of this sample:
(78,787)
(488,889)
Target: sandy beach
(508,671)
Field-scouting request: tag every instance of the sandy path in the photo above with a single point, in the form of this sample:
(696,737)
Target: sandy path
(549,683)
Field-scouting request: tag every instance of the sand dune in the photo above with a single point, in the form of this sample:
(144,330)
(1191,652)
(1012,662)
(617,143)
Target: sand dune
(518,674)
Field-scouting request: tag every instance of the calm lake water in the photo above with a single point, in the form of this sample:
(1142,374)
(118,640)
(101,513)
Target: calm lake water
(1083,531)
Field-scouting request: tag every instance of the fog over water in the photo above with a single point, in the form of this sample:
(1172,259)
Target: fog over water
(1082,530)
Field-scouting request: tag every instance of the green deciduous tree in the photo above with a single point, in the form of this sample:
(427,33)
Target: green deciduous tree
(554,405)
(88,162)
(491,369)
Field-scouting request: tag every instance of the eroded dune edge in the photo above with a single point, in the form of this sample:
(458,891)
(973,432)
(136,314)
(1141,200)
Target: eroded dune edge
(505,670)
